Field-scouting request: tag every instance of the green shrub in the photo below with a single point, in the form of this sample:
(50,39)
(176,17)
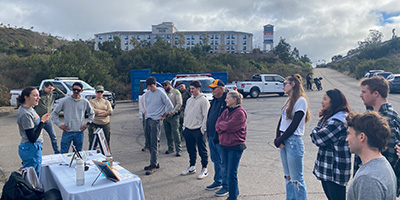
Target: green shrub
(4,96)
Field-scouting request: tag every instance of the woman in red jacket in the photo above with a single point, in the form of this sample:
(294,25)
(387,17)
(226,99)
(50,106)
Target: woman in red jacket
(232,129)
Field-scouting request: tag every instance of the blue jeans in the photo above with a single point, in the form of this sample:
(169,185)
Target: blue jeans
(219,169)
(68,137)
(31,155)
(48,126)
(292,161)
(230,161)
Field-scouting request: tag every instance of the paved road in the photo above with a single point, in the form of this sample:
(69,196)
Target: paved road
(260,170)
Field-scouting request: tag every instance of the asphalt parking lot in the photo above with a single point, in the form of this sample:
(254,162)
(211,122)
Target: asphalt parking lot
(260,170)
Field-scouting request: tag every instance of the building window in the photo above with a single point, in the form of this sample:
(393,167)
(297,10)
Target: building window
(169,41)
(216,36)
(244,47)
(228,36)
(201,42)
(176,36)
(114,36)
(126,47)
(193,37)
(244,37)
(192,42)
(155,36)
(148,37)
(233,36)
(201,37)
(227,47)
(126,37)
(155,40)
(168,36)
(138,37)
(211,36)
(233,41)
(126,42)
(233,47)
(100,37)
(232,51)
(228,42)
(244,42)
(162,36)
(148,41)
(212,42)
(216,42)
(187,43)
(176,42)
(216,48)
(101,42)
(109,37)
(188,37)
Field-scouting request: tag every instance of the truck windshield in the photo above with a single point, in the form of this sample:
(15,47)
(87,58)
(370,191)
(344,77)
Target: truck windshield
(204,84)
(85,85)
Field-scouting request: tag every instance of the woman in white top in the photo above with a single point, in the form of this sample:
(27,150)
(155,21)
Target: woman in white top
(295,114)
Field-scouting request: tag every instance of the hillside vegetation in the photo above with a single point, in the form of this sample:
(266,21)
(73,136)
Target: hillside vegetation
(28,57)
(374,55)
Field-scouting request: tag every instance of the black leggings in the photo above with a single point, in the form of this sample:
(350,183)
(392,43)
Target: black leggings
(334,191)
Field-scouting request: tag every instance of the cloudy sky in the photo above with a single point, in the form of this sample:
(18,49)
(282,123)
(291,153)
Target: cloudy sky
(320,29)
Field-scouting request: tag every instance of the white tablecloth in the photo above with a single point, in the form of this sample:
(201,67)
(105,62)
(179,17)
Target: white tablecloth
(63,178)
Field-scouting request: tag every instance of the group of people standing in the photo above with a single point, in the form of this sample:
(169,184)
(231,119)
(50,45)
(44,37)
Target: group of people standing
(36,112)
(222,122)
(372,136)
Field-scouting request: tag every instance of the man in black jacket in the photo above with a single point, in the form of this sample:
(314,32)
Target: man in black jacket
(218,105)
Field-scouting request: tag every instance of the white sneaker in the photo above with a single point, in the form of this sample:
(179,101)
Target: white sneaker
(203,173)
(190,170)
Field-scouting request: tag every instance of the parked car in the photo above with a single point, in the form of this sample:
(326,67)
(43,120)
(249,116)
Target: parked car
(65,85)
(261,84)
(370,73)
(231,87)
(394,83)
(205,80)
(383,74)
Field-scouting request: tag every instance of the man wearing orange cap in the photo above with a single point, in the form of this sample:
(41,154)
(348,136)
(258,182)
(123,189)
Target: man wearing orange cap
(217,105)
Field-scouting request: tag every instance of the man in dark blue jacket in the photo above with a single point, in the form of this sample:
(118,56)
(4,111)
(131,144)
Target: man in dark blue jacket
(218,105)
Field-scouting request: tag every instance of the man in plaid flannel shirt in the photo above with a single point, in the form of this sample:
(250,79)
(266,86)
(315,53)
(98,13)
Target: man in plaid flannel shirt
(374,92)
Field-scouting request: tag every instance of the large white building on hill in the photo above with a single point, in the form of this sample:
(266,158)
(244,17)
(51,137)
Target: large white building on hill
(219,41)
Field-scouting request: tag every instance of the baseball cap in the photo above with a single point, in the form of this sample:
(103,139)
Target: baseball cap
(99,88)
(217,83)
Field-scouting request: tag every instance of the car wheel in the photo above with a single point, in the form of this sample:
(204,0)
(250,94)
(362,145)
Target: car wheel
(254,93)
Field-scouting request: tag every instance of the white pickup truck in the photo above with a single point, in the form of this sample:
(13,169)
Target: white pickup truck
(261,84)
(65,85)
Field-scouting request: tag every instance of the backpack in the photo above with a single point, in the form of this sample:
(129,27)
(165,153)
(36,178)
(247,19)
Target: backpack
(18,188)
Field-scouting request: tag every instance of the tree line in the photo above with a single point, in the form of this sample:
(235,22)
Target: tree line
(371,53)
(110,66)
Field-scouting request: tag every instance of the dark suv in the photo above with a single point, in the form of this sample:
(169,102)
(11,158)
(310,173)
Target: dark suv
(394,83)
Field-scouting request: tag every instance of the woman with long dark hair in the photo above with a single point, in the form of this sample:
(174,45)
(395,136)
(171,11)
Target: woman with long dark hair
(333,163)
(30,127)
(294,115)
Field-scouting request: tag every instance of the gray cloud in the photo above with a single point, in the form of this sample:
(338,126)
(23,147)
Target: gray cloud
(319,29)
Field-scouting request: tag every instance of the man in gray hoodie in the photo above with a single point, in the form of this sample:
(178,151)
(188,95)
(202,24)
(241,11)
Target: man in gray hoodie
(74,108)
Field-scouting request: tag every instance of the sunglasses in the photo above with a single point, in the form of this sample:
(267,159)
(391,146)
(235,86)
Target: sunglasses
(99,91)
(76,89)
